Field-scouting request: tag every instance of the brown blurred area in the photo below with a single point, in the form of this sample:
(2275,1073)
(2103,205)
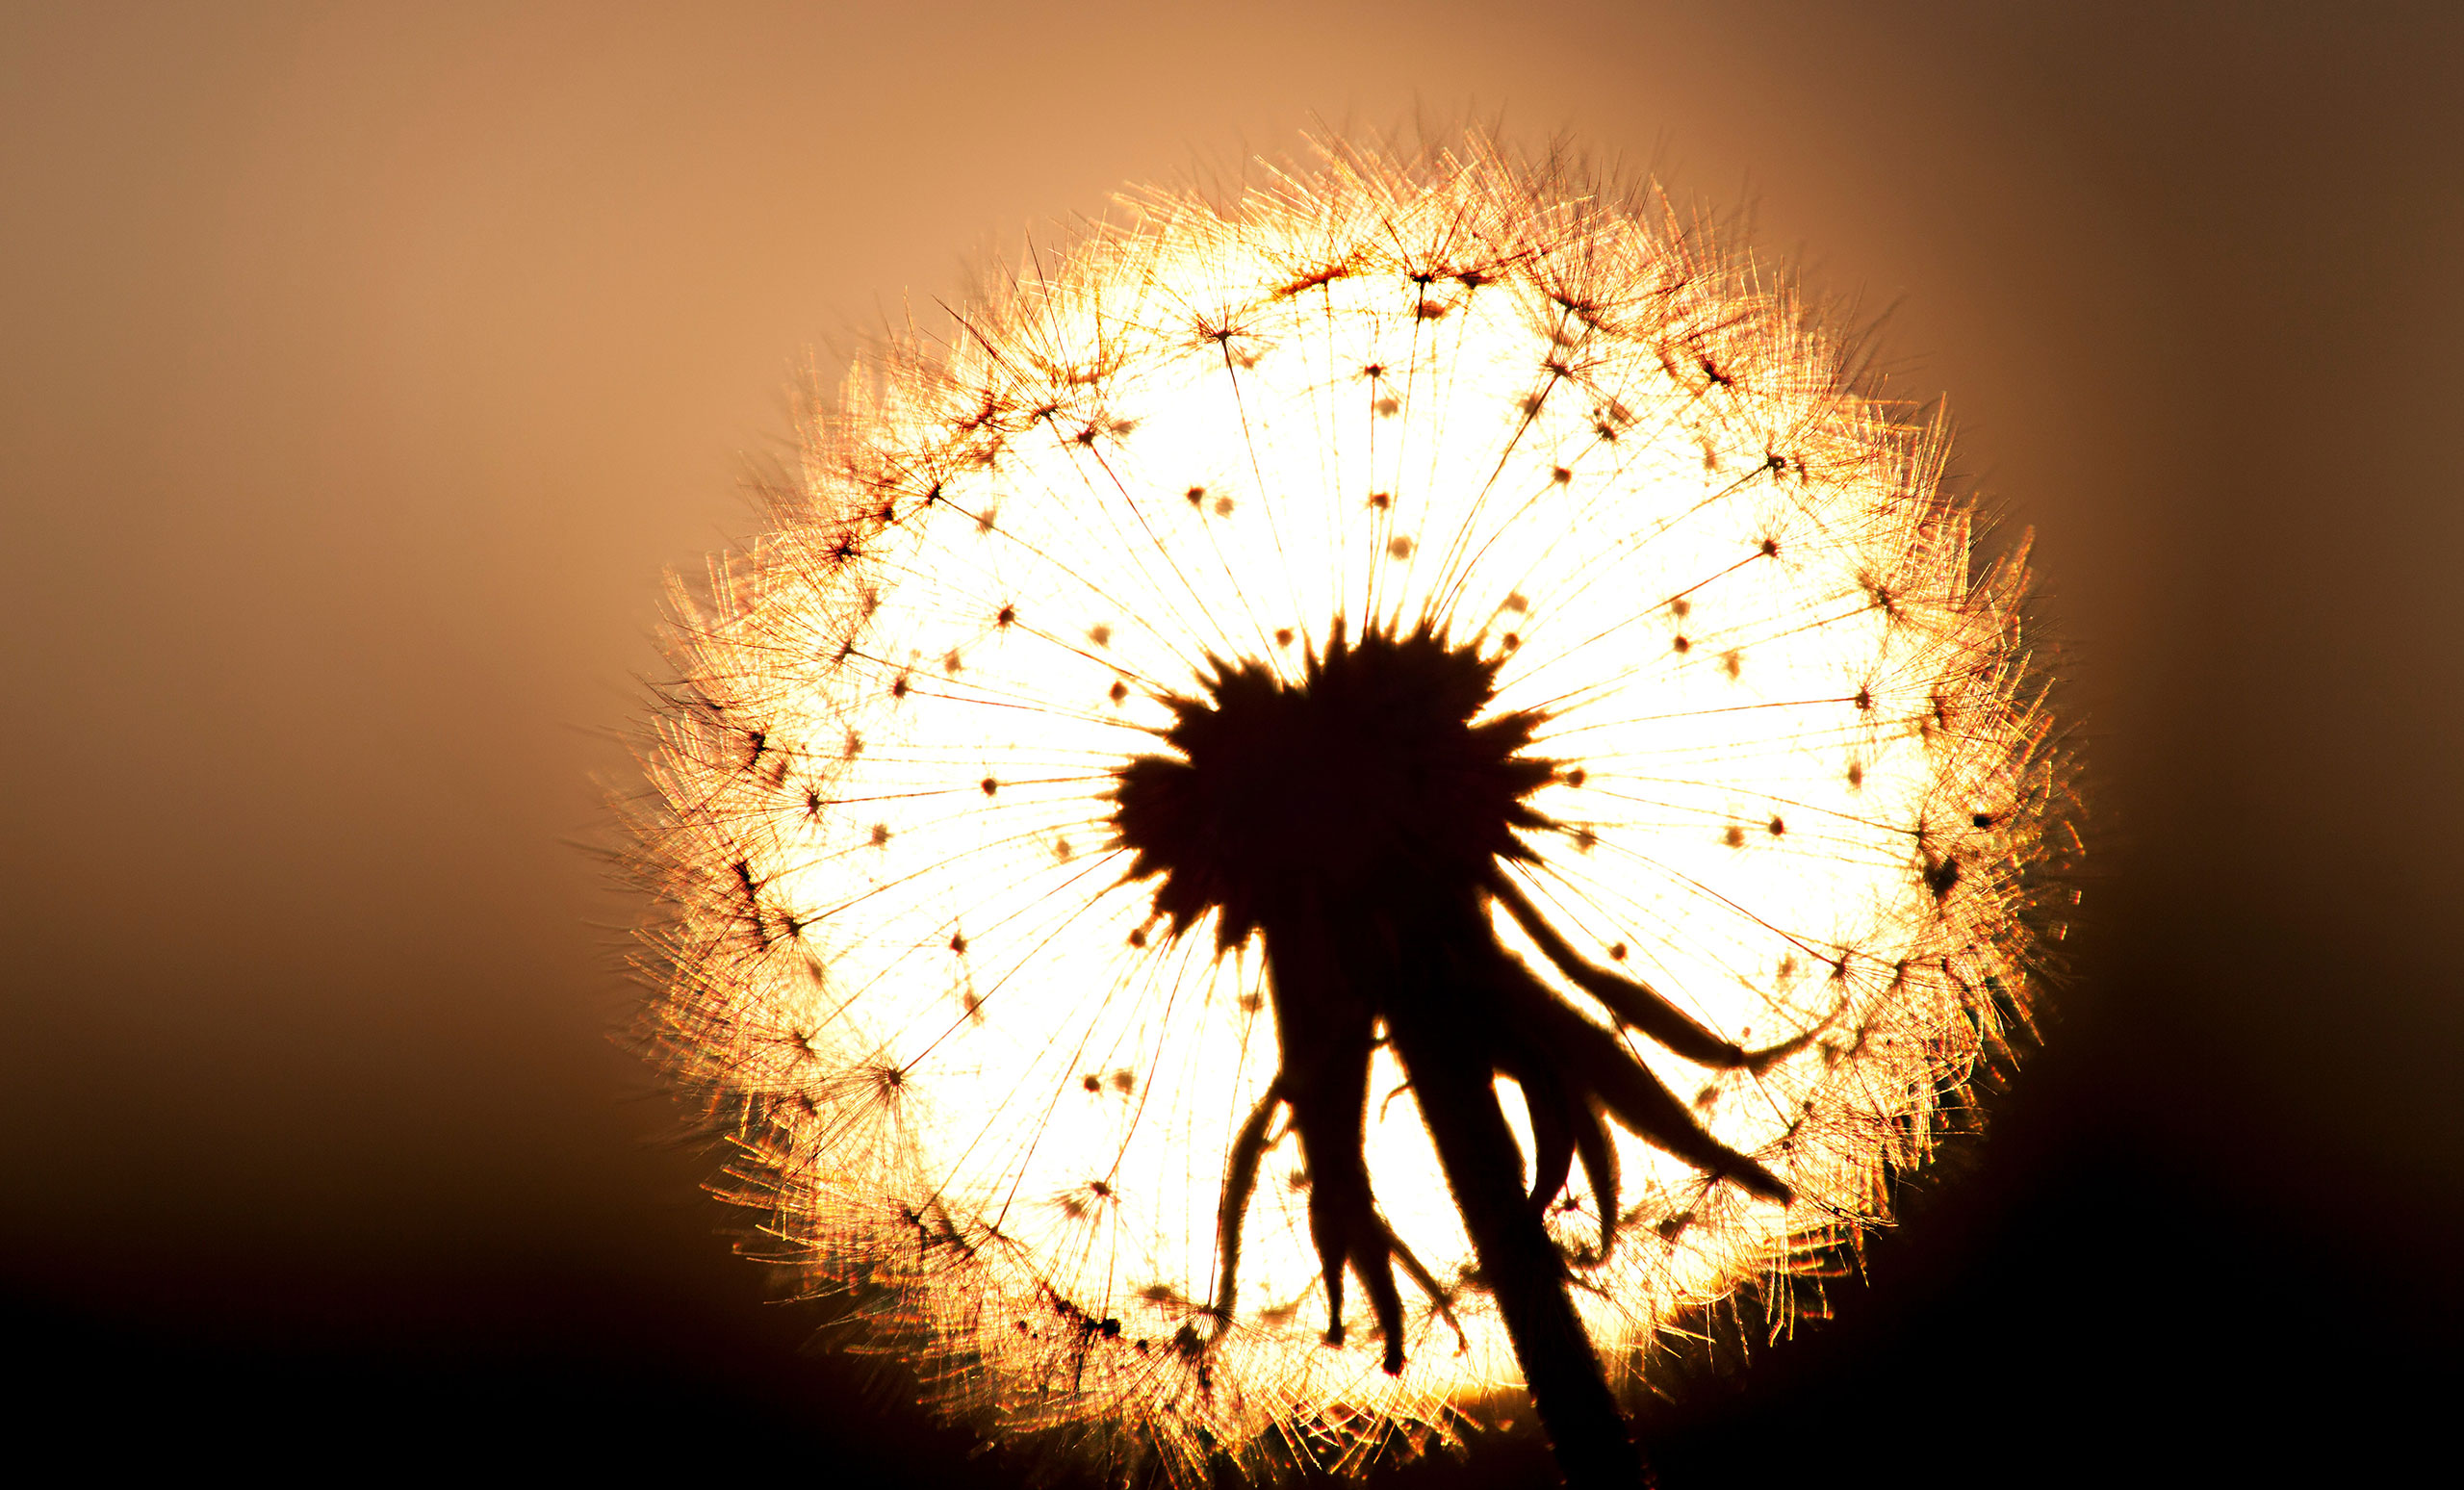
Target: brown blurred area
(362,367)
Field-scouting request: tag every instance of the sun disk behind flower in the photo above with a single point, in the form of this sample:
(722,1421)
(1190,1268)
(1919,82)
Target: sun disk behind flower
(1271,681)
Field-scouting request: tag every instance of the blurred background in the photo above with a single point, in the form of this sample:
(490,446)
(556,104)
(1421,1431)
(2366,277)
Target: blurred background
(365,367)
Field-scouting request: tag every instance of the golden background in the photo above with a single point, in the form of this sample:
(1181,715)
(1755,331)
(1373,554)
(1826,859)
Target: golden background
(363,367)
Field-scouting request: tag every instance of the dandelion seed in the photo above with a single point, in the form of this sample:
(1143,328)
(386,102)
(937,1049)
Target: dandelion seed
(1423,869)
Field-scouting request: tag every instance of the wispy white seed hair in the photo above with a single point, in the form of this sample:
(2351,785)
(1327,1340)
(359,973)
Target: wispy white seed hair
(982,1087)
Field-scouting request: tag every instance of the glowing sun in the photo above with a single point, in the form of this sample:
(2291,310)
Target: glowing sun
(1338,802)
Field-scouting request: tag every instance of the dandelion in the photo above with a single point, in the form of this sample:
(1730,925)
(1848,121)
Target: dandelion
(1340,804)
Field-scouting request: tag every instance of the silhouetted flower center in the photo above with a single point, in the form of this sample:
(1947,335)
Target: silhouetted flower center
(1366,780)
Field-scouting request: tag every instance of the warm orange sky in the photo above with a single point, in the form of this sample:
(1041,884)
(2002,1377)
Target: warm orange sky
(366,366)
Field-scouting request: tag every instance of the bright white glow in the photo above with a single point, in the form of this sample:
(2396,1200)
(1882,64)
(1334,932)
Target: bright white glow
(981,1086)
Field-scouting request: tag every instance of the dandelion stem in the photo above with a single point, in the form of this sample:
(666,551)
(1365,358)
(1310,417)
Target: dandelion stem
(1455,1084)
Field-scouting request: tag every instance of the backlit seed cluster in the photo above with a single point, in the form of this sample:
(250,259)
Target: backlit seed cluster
(977,1084)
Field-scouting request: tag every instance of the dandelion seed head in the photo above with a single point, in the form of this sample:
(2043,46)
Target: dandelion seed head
(986,1076)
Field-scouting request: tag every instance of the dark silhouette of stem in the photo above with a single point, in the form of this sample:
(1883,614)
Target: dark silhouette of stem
(1453,1084)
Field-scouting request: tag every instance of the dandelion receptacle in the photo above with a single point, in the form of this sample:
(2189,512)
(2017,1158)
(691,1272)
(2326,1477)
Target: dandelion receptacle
(1341,801)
